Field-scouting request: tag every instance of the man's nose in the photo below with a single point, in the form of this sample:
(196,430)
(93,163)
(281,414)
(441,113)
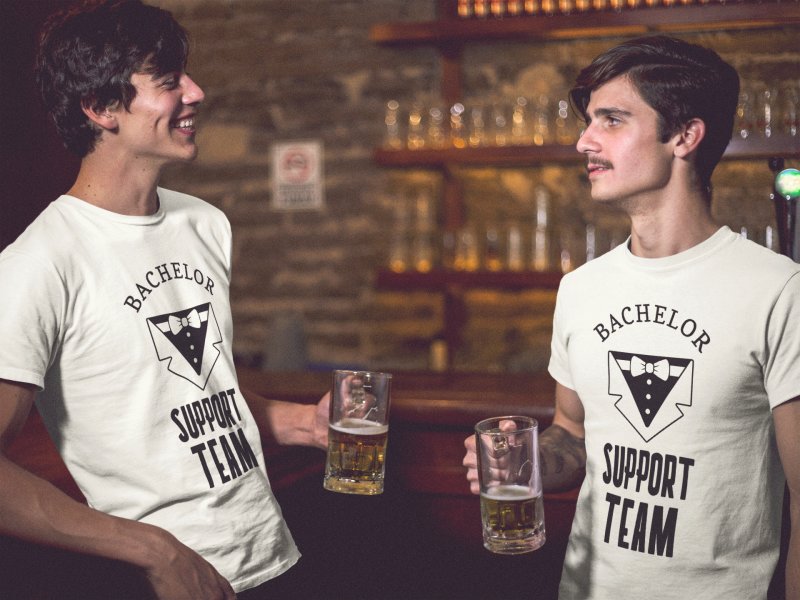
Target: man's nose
(192,93)
(587,141)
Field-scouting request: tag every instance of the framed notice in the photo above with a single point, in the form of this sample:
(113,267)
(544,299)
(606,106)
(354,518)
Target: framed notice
(297,175)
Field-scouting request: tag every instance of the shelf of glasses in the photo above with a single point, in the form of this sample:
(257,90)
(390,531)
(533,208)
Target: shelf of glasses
(519,156)
(441,280)
(627,22)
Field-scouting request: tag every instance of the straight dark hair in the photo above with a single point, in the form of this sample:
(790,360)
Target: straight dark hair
(680,81)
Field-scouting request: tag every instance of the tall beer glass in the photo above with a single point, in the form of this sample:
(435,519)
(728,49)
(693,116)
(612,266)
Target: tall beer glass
(358,432)
(512,511)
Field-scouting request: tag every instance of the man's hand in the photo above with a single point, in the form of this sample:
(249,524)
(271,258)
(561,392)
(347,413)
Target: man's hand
(179,573)
(498,459)
(471,462)
(320,428)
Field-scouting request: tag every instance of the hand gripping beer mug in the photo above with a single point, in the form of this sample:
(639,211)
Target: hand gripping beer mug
(358,431)
(512,511)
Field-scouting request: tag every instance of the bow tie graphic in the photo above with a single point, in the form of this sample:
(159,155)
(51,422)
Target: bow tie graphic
(176,324)
(640,367)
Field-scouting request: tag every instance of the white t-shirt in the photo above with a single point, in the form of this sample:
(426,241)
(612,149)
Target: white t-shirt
(124,322)
(678,362)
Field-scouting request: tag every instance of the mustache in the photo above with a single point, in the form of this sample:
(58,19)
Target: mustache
(599,162)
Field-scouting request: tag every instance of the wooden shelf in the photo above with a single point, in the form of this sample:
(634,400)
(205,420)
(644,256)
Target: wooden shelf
(440,280)
(508,156)
(522,156)
(449,34)
(591,24)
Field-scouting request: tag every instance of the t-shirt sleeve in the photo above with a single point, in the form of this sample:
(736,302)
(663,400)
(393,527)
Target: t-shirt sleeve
(781,372)
(559,359)
(31,307)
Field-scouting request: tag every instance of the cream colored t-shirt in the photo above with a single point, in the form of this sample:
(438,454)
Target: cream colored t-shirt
(126,325)
(678,362)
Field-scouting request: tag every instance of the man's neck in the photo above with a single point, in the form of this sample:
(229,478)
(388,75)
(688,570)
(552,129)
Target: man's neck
(670,228)
(108,184)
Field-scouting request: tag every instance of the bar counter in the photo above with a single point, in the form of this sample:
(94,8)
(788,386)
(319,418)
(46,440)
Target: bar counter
(421,538)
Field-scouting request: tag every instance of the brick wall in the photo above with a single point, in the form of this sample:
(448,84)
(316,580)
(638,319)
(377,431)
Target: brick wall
(279,70)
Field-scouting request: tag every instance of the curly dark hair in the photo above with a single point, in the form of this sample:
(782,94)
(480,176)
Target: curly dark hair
(88,53)
(680,81)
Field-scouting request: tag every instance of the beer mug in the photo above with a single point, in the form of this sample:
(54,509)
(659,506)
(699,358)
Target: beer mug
(512,510)
(357,432)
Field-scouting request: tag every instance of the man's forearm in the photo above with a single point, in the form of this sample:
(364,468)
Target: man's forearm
(563,459)
(33,509)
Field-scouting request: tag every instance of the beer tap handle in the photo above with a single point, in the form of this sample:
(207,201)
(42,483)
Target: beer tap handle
(785,194)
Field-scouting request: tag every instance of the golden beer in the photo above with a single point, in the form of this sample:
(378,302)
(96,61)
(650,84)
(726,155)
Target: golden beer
(513,519)
(356,455)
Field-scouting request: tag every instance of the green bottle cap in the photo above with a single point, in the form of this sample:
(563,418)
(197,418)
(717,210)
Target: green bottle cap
(787,183)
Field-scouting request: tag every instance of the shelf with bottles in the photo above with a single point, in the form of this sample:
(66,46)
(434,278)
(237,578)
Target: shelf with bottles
(439,280)
(519,156)
(596,18)
(518,252)
(515,132)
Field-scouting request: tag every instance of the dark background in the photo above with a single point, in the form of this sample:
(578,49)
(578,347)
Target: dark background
(36,168)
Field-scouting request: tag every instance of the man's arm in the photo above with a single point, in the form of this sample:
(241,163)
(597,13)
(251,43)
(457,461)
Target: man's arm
(290,423)
(562,452)
(787,433)
(35,510)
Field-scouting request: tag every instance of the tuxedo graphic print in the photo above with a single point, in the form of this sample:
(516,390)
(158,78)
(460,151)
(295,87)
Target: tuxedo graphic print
(187,342)
(651,392)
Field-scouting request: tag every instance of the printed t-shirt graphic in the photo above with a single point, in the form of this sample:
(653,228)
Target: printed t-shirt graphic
(189,341)
(650,389)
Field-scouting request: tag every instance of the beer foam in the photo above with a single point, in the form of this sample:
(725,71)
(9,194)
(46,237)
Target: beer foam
(359,427)
(510,492)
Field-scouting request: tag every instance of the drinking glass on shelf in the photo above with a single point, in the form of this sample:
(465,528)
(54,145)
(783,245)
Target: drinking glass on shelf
(590,242)
(416,127)
(766,105)
(423,251)
(520,122)
(514,7)
(552,7)
(501,123)
(497,8)
(448,250)
(392,139)
(540,242)
(458,129)
(542,121)
(565,124)
(398,251)
(435,133)
(745,113)
(789,102)
(514,249)
(492,251)
(532,7)
(399,247)
(467,256)
(477,125)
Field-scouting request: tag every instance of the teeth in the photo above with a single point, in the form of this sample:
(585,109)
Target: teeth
(185,123)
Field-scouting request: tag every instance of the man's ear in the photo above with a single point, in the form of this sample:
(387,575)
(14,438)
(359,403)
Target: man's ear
(689,137)
(102,116)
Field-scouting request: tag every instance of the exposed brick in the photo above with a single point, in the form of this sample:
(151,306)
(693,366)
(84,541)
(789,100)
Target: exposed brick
(277,70)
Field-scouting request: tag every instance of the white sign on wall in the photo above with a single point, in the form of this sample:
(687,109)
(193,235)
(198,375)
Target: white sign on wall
(297,175)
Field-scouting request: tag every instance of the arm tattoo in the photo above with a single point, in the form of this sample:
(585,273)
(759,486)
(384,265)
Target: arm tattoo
(562,457)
